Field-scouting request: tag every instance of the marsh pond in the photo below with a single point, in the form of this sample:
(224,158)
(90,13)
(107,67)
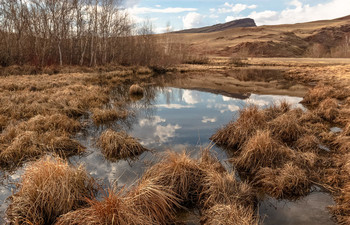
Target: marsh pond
(179,113)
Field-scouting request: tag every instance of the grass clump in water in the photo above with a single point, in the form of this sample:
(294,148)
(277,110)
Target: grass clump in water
(48,189)
(236,133)
(179,172)
(101,116)
(229,215)
(290,181)
(262,150)
(136,89)
(119,145)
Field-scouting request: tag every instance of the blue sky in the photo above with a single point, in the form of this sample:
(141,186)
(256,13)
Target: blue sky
(182,14)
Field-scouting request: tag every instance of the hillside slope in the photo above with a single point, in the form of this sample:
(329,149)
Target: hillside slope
(326,38)
(222,26)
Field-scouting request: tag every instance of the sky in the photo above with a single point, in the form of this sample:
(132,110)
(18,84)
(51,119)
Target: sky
(183,14)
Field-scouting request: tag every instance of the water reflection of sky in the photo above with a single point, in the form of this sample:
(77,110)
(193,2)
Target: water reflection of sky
(175,119)
(191,117)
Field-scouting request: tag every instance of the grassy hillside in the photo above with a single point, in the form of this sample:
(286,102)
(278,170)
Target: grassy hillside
(326,38)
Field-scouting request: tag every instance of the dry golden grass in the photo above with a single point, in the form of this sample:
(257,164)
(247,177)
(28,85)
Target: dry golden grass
(277,109)
(236,133)
(179,172)
(318,94)
(286,127)
(48,189)
(40,135)
(136,89)
(3,122)
(308,143)
(114,209)
(223,188)
(146,203)
(40,114)
(56,122)
(232,214)
(289,181)
(119,145)
(328,109)
(262,150)
(341,211)
(101,116)
(156,202)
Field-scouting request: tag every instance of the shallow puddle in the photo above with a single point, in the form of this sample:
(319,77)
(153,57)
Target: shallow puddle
(176,119)
(310,210)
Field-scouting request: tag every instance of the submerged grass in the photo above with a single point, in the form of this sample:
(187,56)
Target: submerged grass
(119,145)
(48,189)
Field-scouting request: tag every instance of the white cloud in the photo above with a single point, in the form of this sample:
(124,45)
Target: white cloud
(156,132)
(174,106)
(145,10)
(191,97)
(192,20)
(230,18)
(235,8)
(298,12)
(208,120)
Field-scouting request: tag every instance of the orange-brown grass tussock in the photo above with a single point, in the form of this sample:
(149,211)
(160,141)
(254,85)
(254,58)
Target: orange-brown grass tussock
(262,150)
(232,214)
(179,172)
(308,143)
(119,145)
(290,181)
(223,188)
(236,133)
(156,202)
(286,127)
(55,122)
(114,209)
(328,109)
(136,89)
(37,136)
(48,189)
(321,92)
(100,116)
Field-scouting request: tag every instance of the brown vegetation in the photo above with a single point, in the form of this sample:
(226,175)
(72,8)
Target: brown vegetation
(179,172)
(119,145)
(262,150)
(289,181)
(236,133)
(49,188)
(136,89)
(77,33)
(101,116)
(229,215)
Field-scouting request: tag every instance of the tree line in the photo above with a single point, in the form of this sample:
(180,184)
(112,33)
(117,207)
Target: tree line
(76,32)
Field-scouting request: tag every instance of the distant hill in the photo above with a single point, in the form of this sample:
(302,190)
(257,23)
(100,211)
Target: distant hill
(324,38)
(221,27)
